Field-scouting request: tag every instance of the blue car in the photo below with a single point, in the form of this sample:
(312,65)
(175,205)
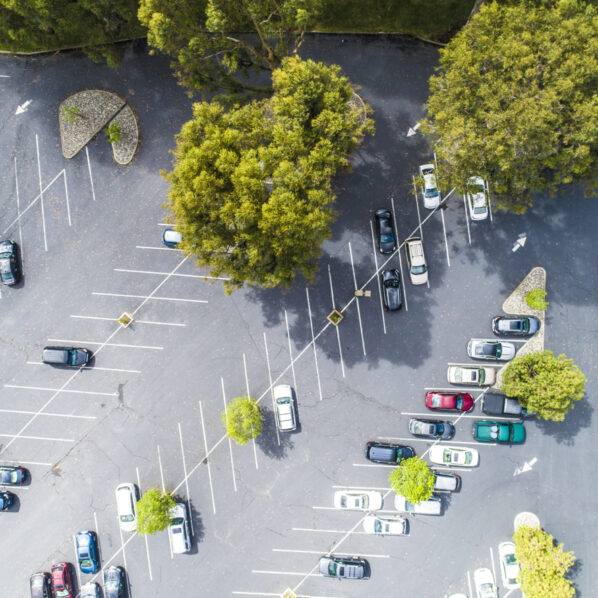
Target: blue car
(87,551)
(171,237)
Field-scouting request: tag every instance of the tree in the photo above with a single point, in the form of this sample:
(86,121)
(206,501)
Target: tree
(413,479)
(243,419)
(153,511)
(251,187)
(544,384)
(543,565)
(197,34)
(514,99)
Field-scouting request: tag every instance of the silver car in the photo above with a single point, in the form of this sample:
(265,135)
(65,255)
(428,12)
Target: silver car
(477,198)
(90,590)
(481,348)
(178,530)
(430,192)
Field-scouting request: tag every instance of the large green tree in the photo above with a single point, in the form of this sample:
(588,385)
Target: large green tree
(413,479)
(543,565)
(251,187)
(154,509)
(243,419)
(213,41)
(544,384)
(515,99)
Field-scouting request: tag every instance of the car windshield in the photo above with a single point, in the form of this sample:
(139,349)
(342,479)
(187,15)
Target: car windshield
(62,592)
(498,350)
(392,283)
(418,269)
(458,401)
(432,192)
(468,457)
(479,210)
(446,456)
(525,325)
(482,375)
(127,518)
(177,521)
(332,567)
(475,189)
(378,526)
(86,563)
(72,357)
(386,238)
(510,559)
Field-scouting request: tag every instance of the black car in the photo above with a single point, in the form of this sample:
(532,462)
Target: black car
(391,290)
(501,405)
(39,584)
(114,582)
(10,270)
(12,475)
(386,238)
(431,428)
(66,356)
(6,499)
(515,325)
(387,453)
(344,567)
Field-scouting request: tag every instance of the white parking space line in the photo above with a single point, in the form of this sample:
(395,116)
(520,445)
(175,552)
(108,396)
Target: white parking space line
(96,529)
(357,299)
(122,546)
(147,553)
(465,415)
(186,479)
(369,465)
(59,390)
(448,258)
(97,293)
(271,386)
(86,342)
(164,224)
(489,204)
(276,595)
(173,249)
(201,276)
(313,343)
(394,217)
(46,414)
(161,470)
(230,442)
(466,219)
(19,209)
(369,556)
(41,191)
(249,395)
(362,488)
(27,463)
(286,319)
(207,458)
(89,368)
(338,334)
(324,531)
(93,192)
(285,573)
(453,388)
(420,228)
(469,584)
(66,193)
(439,441)
(508,593)
(76,562)
(493,567)
(136,322)
(377,276)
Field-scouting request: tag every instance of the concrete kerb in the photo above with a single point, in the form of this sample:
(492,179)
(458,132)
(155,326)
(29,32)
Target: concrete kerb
(124,150)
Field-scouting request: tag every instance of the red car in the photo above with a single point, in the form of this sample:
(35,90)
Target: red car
(62,580)
(448,401)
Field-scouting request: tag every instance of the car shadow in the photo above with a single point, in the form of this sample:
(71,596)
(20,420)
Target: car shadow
(199,531)
(268,439)
(577,419)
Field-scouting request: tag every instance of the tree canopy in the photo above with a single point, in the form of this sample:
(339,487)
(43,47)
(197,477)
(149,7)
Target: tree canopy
(243,419)
(153,511)
(543,565)
(251,187)
(544,384)
(413,479)
(515,99)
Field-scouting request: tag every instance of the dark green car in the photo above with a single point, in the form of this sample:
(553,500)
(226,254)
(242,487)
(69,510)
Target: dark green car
(500,432)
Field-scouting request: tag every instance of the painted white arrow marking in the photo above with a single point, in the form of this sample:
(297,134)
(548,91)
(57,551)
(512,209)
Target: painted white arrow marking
(527,466)
(412,130)
(23,107)
(520,242)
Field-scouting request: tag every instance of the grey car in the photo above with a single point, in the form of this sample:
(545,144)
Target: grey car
(431,428)
(479,348)
(10,269)
(114,582)
(515,325)
(344,567)
(390,281)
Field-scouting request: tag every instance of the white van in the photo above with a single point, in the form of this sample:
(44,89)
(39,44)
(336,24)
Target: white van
(178,530)
(432,506)
(126,506)
(284,408)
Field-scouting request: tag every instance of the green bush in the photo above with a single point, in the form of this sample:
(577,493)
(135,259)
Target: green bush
(413,479)
(153,511)
(536,299)
(243,419)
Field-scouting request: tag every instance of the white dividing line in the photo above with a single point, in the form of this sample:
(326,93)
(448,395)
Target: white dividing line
(149,562)
(186,479)
(369,556)
(313,343)
(286,319)
(159,248)
(479,416)
(27,463)
(46,414)
(66,194)
(377,277)
(323,531)
(285,573)
(105,319)
(362,488)
(271,386)
(394,218)
(89,368)
(356,299)
(58,390)
(448,258)
(453,388)
(93,193)
(41,191)
(277,595)
(230,443)
(76,560)
(338,334)
(489,201)
(164,224)
(466,219)
(96,530)
(248,396)
(477,364)
(369,465)
(19,209)
(122,546)
(202,276)
(492,561)
(206,458)
(161,470)
(78,342)
(146,297)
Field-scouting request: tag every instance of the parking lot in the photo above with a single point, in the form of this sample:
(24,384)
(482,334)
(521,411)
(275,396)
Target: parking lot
(148,409)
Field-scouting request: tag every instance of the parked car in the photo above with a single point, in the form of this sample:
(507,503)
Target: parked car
(39,585)
(476,198)
(86,546)
(391,289)
(432,506)
(342,567)
(171,238)
(446,482)
(431,428)
(10,268)
(284,404)
(66,356)
(358,500)
(500,432)
(385,232)
(416,261)
(126,506)
(509,566)
(483,580)
(449,401)
(385,526)
(430,192)
(453,456)
(481,348)
(471,374)
(6,500)
(114,582)
(12,475)
(501,405)
(178,530)
(62,580)
(515,325)
(90,590)
(387,453)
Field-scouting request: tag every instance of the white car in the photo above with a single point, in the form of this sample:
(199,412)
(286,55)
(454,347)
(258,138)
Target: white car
(432,506)
(284,404)
(483,580)
(416,261)
(385,526)
(509,567)
(178,530)
(126,506)
(482,348)
(454,456)
(90,590)
(430,191)
(476,197)
(471,374)
(358,500)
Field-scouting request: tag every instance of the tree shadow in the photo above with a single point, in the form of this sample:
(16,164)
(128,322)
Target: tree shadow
(577,419)
(268,439)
